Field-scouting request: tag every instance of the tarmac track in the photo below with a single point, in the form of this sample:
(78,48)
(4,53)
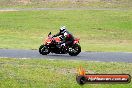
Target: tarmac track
(89,56)
(40,9)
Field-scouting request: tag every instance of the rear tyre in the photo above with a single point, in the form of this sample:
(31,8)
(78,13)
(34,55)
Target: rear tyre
(75,50)
(44,50)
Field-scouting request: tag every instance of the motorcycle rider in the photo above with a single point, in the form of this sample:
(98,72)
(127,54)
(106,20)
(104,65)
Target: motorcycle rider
(67,37)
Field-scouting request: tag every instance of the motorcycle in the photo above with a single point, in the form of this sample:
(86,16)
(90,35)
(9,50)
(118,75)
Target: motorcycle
(52,45)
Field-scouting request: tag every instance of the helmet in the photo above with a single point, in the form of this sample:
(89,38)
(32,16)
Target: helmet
(62,29)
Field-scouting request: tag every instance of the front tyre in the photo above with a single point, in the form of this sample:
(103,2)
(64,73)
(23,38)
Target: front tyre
(75,50)
(44,50)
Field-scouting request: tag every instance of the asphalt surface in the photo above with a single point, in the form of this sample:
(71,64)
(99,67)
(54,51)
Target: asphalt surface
(39,9)
(90,56)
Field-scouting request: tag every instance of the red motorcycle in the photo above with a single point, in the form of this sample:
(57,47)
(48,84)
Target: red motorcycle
(52,45)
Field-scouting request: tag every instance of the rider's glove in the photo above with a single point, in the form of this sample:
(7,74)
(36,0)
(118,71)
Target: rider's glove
(63,44)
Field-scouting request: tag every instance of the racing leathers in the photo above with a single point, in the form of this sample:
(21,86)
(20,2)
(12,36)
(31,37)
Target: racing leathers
(66,37)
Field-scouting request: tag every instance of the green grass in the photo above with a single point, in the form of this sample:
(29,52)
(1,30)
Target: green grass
(44,73)
(66,4)
(99,30)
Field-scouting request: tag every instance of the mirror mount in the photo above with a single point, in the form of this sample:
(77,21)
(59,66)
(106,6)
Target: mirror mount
(49,34)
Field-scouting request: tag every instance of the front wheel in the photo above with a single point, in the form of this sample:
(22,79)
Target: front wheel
(75,50)
(44,50)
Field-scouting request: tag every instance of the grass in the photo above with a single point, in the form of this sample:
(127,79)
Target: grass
(66,4)
(29,73)
(99,30)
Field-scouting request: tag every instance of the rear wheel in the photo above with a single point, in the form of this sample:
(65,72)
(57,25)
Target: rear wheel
(44,50)
(75,50)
